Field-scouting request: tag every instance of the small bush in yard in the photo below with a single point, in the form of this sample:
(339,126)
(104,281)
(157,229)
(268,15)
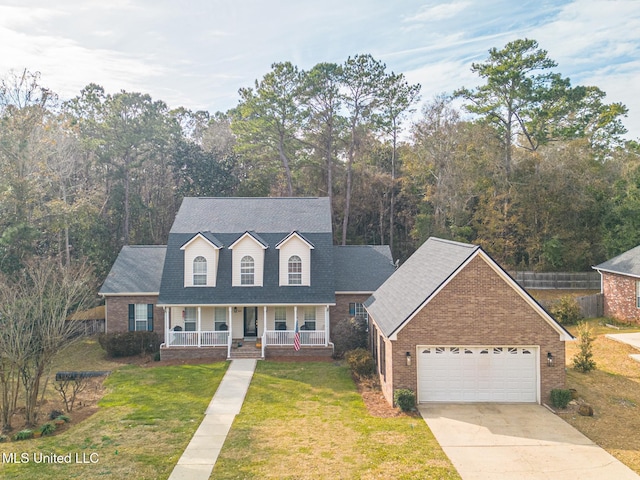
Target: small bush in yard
(361,362)
(405,399)
(566,311)
(583,360)
(349,334)
(560,398)
(24,435)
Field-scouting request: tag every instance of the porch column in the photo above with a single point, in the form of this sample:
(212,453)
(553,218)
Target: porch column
(166,326)
(295,319)
(198,328)
(327,324)
(230,337)
(264,318)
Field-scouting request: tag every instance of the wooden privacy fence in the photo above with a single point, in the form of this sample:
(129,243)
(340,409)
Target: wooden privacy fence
(591,306)
(557,280)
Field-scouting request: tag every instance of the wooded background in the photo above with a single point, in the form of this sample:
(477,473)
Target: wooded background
(530,167)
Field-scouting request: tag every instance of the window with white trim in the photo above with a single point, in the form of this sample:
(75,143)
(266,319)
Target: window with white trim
(281,318)
(200,271)
(309,318)
(141,318)
(638,293)
(190,319)
(358,310)
(247,270)
(295,270)
(220,319)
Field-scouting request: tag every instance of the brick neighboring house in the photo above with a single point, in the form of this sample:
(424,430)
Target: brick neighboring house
(620,286)
(453,326)
(238,271)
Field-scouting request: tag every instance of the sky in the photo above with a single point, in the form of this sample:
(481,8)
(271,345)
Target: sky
(198,53)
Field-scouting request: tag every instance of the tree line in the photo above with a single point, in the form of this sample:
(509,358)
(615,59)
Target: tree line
(527,165)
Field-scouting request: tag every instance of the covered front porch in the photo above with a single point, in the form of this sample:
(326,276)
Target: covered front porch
(198,326)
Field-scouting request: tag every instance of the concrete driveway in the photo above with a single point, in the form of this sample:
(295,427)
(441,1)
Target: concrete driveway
(500,441)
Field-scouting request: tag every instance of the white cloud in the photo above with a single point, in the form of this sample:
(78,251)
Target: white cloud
(434,13)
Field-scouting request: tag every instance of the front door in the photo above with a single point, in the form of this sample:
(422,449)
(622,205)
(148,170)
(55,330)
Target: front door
(250,321)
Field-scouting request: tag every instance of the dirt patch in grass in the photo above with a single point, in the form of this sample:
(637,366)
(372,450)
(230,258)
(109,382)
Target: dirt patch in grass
(376,404)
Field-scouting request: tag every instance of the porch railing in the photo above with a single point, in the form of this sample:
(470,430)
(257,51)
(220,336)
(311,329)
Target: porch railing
(285,337)
(190,339)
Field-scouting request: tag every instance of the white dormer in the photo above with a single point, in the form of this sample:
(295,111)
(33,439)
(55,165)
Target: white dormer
(295,260)
(247,261)
(201,255)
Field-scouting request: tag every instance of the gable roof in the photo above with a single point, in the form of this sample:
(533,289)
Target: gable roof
(361,268)
(422,276)
(627,263)
(206,236)
(290,236)
(259,214)
(254,236)
(137,270)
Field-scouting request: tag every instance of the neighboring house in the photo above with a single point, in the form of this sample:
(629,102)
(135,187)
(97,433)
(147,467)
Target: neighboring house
(239,270)
(453,326)
(620,286)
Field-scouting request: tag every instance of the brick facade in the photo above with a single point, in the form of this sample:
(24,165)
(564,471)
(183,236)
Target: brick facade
(191,353)
(475,308)
(620,297)
(117,313)
(340,310)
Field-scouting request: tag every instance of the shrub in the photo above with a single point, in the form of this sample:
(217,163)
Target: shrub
(349,334)
(583,360)
(560,398)
(566,311)
(63,418)
(405,399)
(127,344)
(361,362)
(24,435)
(48,428)
(55,414)
(3,438)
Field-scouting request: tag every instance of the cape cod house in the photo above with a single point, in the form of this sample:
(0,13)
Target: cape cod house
(244,272)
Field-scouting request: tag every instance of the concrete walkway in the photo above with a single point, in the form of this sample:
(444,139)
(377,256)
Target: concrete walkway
(527,442)
(198,459)
(632,339)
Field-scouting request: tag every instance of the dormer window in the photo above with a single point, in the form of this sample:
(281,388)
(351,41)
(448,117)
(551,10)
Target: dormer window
(247,270)
(295,270)
(200,271)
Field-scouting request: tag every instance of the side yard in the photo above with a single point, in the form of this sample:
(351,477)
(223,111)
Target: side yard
(613,390)
(307,421)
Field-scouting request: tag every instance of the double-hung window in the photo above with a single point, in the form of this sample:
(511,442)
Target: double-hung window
(310,318)
(247,270)
(281,318)
(357,310)
(221,319)
(190,319)
(295,270)
(140,317)
(638,293)
(199,271)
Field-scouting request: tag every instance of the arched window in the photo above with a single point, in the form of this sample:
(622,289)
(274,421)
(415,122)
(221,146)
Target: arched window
(200,271)
(295,270)
(247,270)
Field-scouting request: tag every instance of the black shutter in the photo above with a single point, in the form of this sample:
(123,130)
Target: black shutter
(132,317)
(150,317)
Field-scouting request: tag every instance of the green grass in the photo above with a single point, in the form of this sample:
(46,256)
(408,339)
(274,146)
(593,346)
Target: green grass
(141,429)
(307,421)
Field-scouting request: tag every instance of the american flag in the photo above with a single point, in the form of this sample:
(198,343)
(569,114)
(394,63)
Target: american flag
(296,336)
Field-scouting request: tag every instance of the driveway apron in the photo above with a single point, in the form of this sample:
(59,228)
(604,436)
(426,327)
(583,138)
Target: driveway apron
(517,441)
(198,459)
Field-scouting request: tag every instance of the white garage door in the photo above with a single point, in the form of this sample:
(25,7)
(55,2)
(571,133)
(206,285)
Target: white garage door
(477,374)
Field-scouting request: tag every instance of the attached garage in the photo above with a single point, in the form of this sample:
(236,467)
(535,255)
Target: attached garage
(453,326)
(477,374)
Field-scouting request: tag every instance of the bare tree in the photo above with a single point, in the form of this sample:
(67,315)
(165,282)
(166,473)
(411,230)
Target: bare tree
(34,307)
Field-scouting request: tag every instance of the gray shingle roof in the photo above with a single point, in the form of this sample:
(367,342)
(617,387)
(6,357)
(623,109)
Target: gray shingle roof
(627,263)
(138,269)
(361,268)
(238,215)
(415,281)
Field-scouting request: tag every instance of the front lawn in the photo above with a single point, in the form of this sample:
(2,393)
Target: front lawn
(140,430)
(613,390)
(307,421)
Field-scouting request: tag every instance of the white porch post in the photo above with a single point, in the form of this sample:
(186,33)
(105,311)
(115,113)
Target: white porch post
(264,328)
(295,318)
(327,323)
(199,325)
(166,326)
(230,337)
